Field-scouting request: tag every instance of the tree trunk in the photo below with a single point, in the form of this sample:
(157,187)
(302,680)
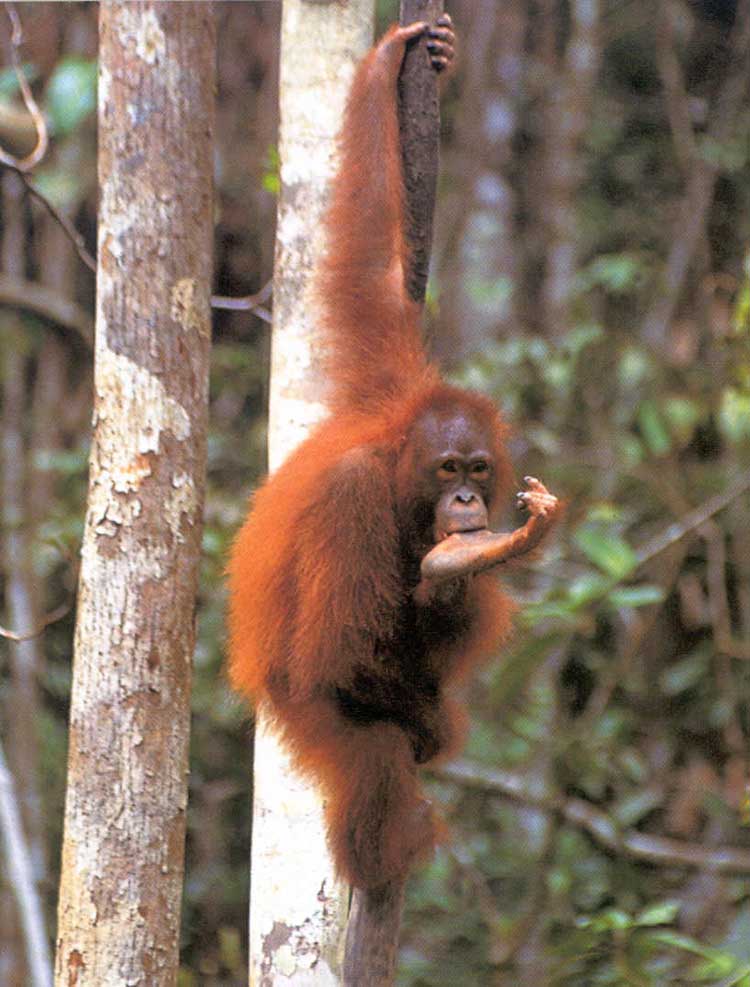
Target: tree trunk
(25,656)
(298,909)
(569,100)
(123,848)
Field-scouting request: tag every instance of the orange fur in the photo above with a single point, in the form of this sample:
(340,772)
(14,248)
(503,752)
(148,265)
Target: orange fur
(324,628)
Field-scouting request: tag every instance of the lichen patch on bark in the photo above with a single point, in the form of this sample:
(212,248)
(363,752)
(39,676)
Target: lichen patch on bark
(188,307)
(143,33)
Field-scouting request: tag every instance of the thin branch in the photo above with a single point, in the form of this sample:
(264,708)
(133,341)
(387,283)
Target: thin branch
(20,877)
(52,617)
(694,519)
(673,81)
(49,304)
(61,218)
(247,303)
(42,138)
(22,166)
(601,828)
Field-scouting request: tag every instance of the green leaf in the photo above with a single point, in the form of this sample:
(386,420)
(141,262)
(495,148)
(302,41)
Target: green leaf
(734,415)
(617,273)
(557,373)
(71,93)
(588,588)
(653,429)
(662,913)
(634,368)
(607,550)
(684,674)
(613,919)
(679,941)
(604,510)
(582,336)
(636,596)
(683,415)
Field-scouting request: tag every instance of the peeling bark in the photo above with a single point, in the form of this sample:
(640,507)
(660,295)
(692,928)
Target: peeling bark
(123,848)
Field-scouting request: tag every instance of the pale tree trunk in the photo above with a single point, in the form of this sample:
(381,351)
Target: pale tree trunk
(17,865)
(123,847)
(478,240)
(569,101)
(298,909)
(25,656)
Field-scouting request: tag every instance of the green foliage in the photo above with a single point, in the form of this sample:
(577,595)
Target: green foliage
(70,95)
(616,273)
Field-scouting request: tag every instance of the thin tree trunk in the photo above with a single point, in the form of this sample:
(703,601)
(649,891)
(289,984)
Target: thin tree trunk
(25,656)
(569,101)
(298,909)
(21,874)
(123,848)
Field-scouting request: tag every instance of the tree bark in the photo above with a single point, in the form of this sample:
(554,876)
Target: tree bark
(123,847)
(372,936)
(298,909)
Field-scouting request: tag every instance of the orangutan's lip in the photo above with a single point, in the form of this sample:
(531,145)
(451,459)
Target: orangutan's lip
(442,535)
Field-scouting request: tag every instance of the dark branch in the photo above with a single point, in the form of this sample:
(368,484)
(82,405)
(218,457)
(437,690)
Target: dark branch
(70,230)
(419,122)
(372,936)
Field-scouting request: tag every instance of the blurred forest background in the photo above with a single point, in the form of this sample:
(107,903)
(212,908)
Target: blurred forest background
(591,271)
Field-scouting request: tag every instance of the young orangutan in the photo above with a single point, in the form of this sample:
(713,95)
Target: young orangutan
(359,599)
